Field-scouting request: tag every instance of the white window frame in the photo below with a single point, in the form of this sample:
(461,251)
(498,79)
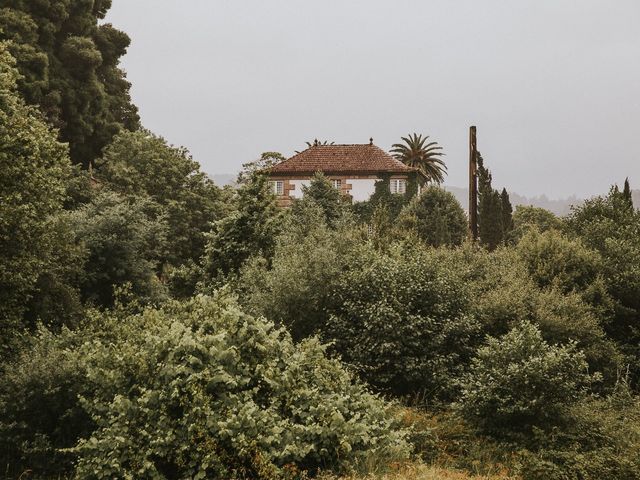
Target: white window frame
(337,183)
(278,187)
(398,186)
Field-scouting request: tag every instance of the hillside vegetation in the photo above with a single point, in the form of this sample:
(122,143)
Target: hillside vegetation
(156,326)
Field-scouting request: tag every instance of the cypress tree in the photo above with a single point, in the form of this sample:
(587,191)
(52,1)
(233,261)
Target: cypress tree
(507,213)
(626,193)
(490,216)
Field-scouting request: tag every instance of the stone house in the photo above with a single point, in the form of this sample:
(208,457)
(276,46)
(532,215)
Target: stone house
(354,169)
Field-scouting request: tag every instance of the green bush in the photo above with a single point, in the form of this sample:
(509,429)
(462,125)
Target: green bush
(295,290)
(41,413)
(526,218)
(610,226)
(401,321)
(519,381)
(201,390)
(504,294)
(555,260)
(436,217)
(600,440)
(125,239)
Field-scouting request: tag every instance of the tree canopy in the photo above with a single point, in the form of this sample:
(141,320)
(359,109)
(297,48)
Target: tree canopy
(69,67)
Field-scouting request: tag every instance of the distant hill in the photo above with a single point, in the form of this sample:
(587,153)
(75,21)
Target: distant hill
(222,179)
(559,207)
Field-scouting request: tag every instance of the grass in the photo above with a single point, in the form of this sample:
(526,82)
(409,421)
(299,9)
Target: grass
(419,471)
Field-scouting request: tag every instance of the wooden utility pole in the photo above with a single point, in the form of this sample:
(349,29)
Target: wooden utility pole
(473,184)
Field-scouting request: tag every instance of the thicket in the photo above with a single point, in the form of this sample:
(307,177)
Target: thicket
(190,390)
(124,354)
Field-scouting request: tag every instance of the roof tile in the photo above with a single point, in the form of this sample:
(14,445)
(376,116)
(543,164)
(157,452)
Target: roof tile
(357,158)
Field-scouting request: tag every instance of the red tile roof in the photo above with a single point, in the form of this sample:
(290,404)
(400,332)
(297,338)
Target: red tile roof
(359,158)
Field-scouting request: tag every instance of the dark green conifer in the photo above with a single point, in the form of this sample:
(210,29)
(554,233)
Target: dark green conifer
(507,212)
(490,217)
(626,193)
(69,67)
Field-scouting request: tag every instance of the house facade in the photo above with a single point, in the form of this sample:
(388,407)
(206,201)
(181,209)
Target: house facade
(354,169)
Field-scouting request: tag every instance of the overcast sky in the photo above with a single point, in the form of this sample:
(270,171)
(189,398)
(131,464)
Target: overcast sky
(552,85)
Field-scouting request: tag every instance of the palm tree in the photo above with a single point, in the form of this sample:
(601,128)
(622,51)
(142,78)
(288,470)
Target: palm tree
(416,152)
(316,143)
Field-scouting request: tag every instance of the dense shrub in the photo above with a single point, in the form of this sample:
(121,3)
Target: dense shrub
(41,413)
(436,217)
(526,218)
(504,294)
(308,261)
(201,390)
(519,381)
(600,440)
(611,226)
(554,260)
(401,320)
(125,239)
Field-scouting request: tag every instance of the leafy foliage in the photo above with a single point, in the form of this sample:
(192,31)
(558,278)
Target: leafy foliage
(250,230)
(527,217)
(519,381)
(125,240)
(141,164)
(323,194)
(201,390)
(608,226)
(34,167)
(436,217)
(401,321)
(69,67)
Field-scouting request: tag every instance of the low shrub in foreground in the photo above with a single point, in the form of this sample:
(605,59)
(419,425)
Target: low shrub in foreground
(201,390)
(519,381)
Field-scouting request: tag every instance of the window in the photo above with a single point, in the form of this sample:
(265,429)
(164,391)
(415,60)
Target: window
(278,187)
(337,184)
(398,185)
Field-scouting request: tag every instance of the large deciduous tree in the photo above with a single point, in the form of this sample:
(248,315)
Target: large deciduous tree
(69,68)
(436,217)
(248,231)
(33,170)
(141,164)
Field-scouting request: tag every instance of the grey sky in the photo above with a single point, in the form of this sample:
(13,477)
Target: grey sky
(552,85)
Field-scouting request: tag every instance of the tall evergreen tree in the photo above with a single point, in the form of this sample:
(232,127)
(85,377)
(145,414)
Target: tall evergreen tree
(69,68)
(249,231)
(490,216)
(507,213)
(321,192)
(626,193)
